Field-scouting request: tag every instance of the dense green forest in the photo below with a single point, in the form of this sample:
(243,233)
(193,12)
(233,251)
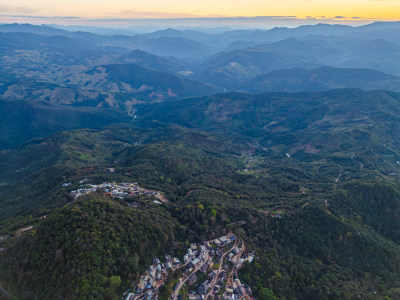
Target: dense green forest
(332,179)
(92,248)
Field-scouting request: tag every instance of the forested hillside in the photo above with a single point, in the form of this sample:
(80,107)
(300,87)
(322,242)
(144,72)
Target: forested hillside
(304,173)
(336,234)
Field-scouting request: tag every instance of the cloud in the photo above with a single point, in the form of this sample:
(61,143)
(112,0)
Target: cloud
(30,17)
(4,9)
(137,14)
(179,20)
(67,17)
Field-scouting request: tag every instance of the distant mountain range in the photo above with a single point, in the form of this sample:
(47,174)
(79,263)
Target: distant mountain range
(226,60)
(320,79)
(228,68)
(114,85)
(160,63)
(82,69)
(141,79)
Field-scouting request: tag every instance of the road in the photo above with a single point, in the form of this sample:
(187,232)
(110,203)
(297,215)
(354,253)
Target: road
(210,295)
(214,281)
(182,282)
(235,269)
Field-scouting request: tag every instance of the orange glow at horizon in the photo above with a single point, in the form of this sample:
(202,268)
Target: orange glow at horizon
(368,9)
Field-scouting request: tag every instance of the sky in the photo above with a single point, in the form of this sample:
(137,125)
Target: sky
(80,11)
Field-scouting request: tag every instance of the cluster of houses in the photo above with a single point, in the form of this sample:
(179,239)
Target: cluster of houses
(216,275)
(235,290)
(120,190)
(239,260)
(195,254)
(212,258)
(201,291)
(153,278)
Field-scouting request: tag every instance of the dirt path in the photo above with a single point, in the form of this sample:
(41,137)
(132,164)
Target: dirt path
(189,193)
(361,164)
(340,175)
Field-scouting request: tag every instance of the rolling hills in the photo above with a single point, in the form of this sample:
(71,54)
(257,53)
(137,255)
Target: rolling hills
(305,170)
(151,61)
(78,62)
(326,161)
(334,126)
(23,120)
(229,68)
(320,79)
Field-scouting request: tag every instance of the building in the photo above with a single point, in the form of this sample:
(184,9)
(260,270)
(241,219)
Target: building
(141,284)
(175,260)
(156,260)
(194,262)
(206,266)
(212,274)
(130,296)
(192,296)
(248,289)
(250,259)
(168,258)
(110,170)
(192,279)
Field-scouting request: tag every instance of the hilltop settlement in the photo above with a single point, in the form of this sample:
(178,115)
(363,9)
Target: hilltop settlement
(208,271)
(120,190)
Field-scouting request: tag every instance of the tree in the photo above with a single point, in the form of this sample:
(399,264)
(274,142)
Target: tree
(266,294)
(213,212)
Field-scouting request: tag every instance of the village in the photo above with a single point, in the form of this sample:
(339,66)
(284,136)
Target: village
(120,190)
(208,271)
